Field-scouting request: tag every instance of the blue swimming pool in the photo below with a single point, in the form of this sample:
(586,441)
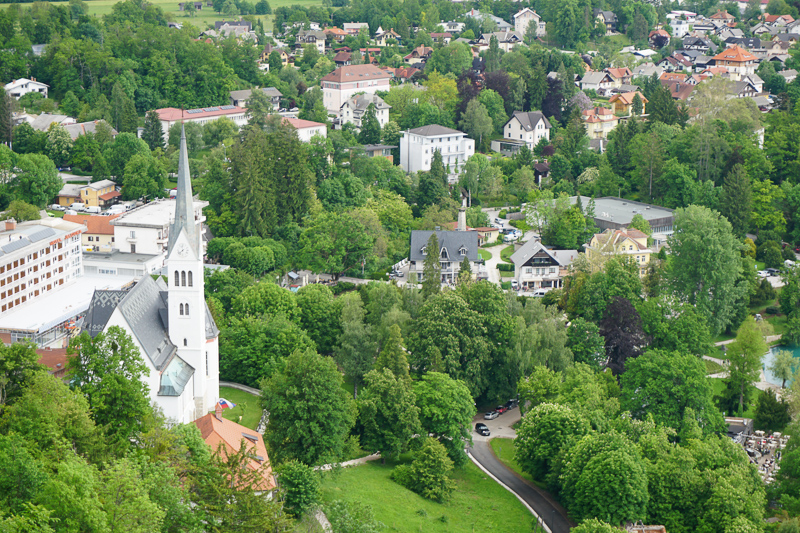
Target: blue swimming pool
(767,362)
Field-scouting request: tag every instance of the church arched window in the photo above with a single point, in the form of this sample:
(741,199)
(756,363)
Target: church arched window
(181,309)
(177,279)
(183,278)
(185,342)
(186,309)
(190,278)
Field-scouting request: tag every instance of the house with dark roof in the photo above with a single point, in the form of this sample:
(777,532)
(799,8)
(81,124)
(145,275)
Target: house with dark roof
(417,149)
(606,17)
(239,98)
(353,110)
(169,323)
(537,267)
(526,128)
(454,246)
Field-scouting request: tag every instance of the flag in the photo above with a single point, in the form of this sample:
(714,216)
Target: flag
(225,404)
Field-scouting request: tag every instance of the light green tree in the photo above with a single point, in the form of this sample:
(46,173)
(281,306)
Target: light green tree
(745,355)
(446,409)
(477,123)
(783,366)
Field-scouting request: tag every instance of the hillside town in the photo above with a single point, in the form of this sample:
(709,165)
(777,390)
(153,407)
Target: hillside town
(362,266)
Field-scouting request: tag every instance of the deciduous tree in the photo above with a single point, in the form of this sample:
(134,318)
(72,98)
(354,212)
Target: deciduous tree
(446,409)
(388,413)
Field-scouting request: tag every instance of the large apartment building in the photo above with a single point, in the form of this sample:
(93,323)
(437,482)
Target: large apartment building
(37,257)
(344,82)
(417,147)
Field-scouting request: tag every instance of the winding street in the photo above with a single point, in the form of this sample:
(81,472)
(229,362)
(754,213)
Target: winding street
(538,501)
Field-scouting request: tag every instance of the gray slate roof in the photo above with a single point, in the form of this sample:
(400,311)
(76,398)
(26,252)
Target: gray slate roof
(450,240)
(141,308)
(530,119)
(531,248)
(44,120)
(361,102)
(100,310)
(434,130)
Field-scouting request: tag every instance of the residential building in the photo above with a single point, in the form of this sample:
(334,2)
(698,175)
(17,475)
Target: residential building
(506,40)
(623,103)
(620,242)
(620,76)
(342,59)
(420,53)
(45,120)
(239,98)
(353,110)
(443,38)
(55,360)
(788,75)
(228,437)
(37,257)
(599,122)
(537,267)
(337,34)
(315,38)
(306,129)
(98,234)
(146,229)
(268,49)
(454,246)
(608,18)
(198,6)
(418,145)
(170,323)
(453,26)
(382,37)
(738,61)
(723,16)
(527,128)
(596,81)
(502,25)
(658,37)
(102,193)
(116,263)
(353,28)
(376,150)
(526,20)
(82,128)
(344,82)
(172,115)
(19,88)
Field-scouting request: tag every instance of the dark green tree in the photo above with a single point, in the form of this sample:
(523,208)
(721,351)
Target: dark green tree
(6,122)
(736,199)
(300,486)
(153,133)
(393,355)
(771,414)
(446,409)
(356,348)
(370,127)
(388,414)
(432,268)
(310,413)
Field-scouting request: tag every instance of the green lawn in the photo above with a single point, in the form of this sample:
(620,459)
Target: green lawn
(712,367)
(504,448)
(506,253)
(248,407)
(485,255)
(478,503)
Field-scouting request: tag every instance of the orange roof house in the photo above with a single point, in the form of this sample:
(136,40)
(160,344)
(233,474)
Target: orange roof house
(54,359)
(226,436)
(723,16)
(673,76)
(623,102)
(737,60)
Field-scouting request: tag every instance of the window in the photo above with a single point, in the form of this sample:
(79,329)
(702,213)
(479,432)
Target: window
(133,234)
(91,239)
(181,309)
(186,309)
(190,278)
(206,363)
(185,342)
(177,279)
(133,248)
(183,278)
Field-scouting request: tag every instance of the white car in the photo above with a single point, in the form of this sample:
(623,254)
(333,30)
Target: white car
(491,415)
(762,273)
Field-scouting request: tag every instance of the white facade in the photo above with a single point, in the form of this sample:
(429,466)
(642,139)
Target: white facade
(353,110)
(36,258)
(19,88)
(527,20)
(306,129)
(528,128)
(145,230)
(171,115)
(417,147)
(343,83)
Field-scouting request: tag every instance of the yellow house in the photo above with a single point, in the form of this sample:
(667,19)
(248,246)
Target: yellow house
(627,242)
(99,233)
(623,103)
(102,193)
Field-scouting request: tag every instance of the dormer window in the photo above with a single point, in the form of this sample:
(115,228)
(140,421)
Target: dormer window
(463,250)
(424,250)
(444,254)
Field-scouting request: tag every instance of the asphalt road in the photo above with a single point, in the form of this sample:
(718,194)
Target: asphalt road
(553,514)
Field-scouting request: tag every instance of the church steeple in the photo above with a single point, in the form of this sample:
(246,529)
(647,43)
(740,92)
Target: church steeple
(184,206)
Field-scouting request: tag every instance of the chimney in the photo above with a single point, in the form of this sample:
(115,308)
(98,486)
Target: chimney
(11,224)
(462,219)
(218,412)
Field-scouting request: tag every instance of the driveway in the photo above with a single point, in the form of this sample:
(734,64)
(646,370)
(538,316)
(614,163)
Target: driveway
(537,500)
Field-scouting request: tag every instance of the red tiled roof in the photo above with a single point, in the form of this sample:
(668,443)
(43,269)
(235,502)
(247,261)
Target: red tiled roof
(109,195)
(356,73)
(300,124)
(55,360)
(231,436)
(618,72)
(627,98)
(735,54)
(673,76)
(173,113)
(95,224)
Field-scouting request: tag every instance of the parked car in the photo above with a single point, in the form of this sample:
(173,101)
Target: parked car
(56,207)
(501,409)
(499,221)
(514,284)
(762,273)
(482,429)
(511,404)
(773,271)
(491,415)
(398,273)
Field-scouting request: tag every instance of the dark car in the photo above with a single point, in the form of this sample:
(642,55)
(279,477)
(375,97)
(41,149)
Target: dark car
(772,271)
(481,429)
(501,409)
(511,404)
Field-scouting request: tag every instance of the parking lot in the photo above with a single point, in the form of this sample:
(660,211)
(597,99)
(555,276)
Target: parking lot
(499,427)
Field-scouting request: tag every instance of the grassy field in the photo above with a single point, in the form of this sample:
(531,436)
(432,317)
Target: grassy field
(506,253)
(248,406)
(504,448)
(712,367)
(485,255)
(202,18)
(478,503)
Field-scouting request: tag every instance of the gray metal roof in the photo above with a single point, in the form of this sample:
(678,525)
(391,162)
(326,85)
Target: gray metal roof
(621,211)
(433,130)
(452,241)
(361,102)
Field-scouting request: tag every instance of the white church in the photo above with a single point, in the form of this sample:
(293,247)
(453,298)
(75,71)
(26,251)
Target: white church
(170,322)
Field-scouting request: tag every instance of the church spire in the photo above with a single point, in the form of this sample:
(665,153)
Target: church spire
(184,206)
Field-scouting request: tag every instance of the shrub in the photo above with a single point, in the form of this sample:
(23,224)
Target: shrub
(505,285)
(342,286)
(505,267)
(788,253)
(503,213)
(300,486)
(428,474)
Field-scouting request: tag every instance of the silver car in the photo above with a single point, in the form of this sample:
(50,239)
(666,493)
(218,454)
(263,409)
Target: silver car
(491,415)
